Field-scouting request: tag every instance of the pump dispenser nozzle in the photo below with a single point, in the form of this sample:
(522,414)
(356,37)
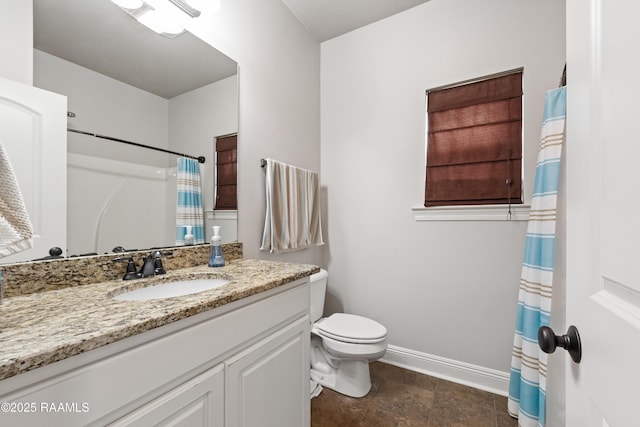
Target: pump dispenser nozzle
(189,239)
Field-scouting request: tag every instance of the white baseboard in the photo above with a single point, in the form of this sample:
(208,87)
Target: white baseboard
(451,370)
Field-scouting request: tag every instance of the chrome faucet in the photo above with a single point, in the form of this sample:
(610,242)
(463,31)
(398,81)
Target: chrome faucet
(151,265)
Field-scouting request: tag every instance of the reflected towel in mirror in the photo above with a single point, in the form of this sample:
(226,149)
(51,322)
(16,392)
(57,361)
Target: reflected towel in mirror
(16,231)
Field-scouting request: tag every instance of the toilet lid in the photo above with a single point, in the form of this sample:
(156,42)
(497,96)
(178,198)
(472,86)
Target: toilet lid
(351,328)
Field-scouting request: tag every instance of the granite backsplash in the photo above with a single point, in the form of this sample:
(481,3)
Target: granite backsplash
(37,276)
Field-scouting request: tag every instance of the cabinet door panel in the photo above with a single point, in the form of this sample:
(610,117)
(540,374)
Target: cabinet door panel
(197,403)
(268,383)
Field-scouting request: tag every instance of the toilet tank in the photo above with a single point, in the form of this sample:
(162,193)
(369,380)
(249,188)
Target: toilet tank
(317,290)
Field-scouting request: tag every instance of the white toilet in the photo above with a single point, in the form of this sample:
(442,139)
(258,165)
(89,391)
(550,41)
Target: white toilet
(342,345)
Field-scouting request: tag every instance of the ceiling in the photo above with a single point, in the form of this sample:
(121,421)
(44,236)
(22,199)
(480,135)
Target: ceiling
(326,19)
(100,36)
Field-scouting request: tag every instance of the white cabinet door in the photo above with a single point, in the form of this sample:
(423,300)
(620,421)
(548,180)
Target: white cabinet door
(33,129)
(602,274)
(267,385)
(196,403)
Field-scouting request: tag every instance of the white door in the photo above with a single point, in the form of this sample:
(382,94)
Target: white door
(603,203)
(33,131)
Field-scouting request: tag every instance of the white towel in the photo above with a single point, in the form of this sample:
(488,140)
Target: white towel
(16,231)
(292,219)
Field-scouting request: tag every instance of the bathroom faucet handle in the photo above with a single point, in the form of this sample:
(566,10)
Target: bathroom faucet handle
(132,268)
(157,263)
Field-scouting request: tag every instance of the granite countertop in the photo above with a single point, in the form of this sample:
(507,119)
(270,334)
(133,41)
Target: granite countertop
(46,327)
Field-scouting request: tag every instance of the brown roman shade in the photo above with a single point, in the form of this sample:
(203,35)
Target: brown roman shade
(474,146)
(226,172)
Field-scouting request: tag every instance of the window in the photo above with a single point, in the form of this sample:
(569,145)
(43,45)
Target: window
(226,172)
(474,142)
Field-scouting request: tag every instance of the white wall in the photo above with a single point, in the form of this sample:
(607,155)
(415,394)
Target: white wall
(108,107)
(279,103)
(443,289)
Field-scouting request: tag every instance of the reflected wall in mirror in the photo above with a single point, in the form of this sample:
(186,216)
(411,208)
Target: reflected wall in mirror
(125,81)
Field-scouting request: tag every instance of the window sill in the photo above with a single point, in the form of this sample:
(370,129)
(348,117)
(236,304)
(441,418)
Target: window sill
(471,213)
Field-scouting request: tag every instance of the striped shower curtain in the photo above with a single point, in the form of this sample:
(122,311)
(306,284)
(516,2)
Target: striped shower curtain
(189,201)
(527,387)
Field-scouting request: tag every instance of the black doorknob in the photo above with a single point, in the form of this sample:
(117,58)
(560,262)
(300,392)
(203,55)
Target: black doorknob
(549,341)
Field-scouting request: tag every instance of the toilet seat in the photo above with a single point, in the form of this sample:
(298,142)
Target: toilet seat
(350,328)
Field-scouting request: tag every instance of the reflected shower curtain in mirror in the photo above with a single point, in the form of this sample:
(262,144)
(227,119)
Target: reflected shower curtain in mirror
(189,201)
(527,386)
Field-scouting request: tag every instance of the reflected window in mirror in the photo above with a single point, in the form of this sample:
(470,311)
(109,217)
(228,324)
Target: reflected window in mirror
(226,172)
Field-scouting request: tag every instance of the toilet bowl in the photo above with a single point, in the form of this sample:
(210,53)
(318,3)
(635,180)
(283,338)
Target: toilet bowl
(342,345)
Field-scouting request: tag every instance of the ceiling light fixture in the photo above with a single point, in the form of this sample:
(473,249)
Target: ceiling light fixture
(197,8)
(161,18)
(129,4)
(158,20)
(187,8)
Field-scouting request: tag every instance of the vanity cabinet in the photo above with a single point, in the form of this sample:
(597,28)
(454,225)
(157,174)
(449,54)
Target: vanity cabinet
(245,363)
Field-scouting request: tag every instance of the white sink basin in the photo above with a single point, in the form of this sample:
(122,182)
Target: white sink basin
(172,289)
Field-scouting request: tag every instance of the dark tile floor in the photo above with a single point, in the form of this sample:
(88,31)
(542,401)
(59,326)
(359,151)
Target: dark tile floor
(400,397)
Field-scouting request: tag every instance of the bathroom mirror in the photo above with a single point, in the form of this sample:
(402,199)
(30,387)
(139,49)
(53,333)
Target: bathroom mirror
(124,81)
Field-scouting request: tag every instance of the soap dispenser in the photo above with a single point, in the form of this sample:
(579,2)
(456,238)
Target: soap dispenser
(216,259)
(188,237)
